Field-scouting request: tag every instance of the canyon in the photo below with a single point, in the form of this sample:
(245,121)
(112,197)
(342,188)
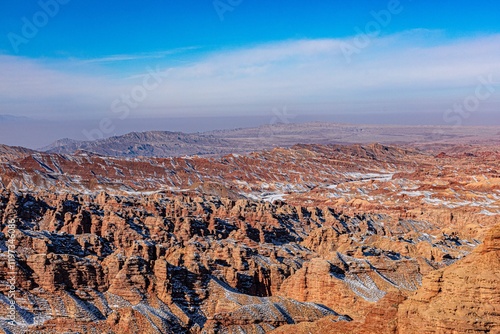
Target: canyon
(312,237)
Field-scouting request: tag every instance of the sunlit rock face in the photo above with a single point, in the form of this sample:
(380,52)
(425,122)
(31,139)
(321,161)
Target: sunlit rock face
(462,298)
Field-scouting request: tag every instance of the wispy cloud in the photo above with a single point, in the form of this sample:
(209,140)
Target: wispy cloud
(139,56)
(410,71)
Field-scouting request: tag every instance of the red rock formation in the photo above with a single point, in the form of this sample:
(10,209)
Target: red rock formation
(349,234)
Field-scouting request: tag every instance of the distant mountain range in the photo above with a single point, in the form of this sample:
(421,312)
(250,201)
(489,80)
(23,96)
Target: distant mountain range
(243,140)
(151,143)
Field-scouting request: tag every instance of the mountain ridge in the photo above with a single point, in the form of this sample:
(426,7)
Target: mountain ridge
(244,140)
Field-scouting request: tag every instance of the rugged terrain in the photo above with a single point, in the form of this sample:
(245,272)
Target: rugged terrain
(310,238)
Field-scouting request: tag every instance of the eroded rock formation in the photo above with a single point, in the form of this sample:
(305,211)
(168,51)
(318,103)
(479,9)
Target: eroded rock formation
(310,239)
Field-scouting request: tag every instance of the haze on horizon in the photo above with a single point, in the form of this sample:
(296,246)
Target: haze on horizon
(235,63)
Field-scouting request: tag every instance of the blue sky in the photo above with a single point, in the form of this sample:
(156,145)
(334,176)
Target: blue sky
(98,28)
(230,57)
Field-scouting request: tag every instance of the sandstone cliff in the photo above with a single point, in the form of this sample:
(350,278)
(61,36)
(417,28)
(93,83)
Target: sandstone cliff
(462,298)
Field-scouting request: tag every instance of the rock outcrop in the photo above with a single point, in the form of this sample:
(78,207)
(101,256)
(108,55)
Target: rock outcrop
(461,298)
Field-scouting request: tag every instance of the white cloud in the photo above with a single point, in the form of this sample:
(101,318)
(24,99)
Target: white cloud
(397,71)
(138,56)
